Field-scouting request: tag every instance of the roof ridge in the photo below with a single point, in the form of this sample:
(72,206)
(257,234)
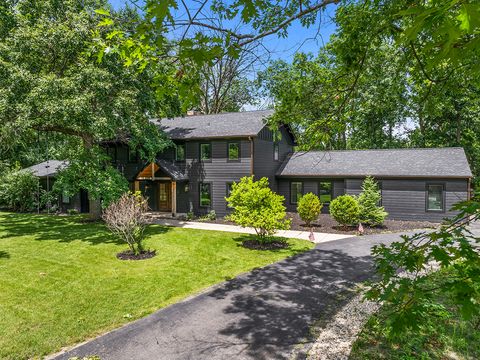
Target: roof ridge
(208,115)
(391,149)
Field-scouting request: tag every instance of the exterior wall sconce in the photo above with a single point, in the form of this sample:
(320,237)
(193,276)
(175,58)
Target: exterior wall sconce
(187,187)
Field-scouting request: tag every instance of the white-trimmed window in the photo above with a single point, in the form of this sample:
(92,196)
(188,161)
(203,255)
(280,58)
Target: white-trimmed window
(435,197)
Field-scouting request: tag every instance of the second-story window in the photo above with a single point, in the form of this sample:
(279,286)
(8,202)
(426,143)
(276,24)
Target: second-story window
(206,152)
(132,156)
(233,151)
(276,152)
(180,152)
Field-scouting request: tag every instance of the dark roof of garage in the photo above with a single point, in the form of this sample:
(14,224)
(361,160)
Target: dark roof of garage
(425,163)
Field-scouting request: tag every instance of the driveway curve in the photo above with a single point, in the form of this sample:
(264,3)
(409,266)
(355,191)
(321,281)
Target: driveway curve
(268,313)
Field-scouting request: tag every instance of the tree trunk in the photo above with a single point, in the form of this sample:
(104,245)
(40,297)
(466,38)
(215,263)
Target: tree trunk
(94,204)
(95,209)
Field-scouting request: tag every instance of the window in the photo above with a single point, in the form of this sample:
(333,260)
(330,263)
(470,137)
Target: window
(65,198)
(325,191)
(206,152)
(435,197)
(233,151)
(132,156)
(180,152)
(205,194)
(296,191)
(276,152)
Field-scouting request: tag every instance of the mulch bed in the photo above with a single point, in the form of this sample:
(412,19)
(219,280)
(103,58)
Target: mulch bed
(327,224)
(129,255)
(271,245)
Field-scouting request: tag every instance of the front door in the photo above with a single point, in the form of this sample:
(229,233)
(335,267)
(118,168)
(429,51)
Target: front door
(149,190)
(165,196)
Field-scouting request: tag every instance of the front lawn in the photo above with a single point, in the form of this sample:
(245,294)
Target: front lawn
(61,282)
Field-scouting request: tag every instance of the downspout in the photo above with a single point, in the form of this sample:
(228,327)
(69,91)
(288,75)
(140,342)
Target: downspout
(251,155)
(469,189)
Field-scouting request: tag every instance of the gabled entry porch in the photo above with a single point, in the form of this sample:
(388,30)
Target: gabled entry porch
(157,181)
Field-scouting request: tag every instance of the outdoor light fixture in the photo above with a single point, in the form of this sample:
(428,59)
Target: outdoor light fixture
(187,187)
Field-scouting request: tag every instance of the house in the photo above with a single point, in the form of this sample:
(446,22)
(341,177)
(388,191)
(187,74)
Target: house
(47,172)
(213,151)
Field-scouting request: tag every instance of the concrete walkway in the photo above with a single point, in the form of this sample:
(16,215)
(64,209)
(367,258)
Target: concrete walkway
(268,313)
(304,235)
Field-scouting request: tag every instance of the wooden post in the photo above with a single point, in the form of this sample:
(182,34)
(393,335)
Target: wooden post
(136,186)
(174,198)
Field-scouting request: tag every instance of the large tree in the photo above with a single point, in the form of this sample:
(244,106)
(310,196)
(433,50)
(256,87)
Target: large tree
(52,82)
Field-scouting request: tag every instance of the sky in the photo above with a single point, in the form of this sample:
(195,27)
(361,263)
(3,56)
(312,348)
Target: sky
(299,38)
(308,40)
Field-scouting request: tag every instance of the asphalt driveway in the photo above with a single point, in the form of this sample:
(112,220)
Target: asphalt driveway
(265,314)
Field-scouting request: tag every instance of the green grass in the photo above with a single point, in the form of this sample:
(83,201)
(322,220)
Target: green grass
(61,283)
(450,338)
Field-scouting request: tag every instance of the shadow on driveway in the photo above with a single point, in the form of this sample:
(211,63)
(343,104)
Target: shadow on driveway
(268,313)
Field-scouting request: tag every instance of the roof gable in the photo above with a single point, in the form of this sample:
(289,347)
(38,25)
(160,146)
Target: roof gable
(434,163)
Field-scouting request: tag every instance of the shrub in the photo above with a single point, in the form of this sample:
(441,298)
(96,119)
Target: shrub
(19,191)
(190,216)
(126,219)
(212,215)
(309,207)
(256,205)
(72,212)
(345,210)
(369,199)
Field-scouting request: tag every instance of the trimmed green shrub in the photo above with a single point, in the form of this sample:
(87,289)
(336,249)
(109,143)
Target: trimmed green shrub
(256,205)
(309,207)
(369,199)
(345,210)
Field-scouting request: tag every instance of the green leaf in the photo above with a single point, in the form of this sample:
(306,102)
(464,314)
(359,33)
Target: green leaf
(104,12)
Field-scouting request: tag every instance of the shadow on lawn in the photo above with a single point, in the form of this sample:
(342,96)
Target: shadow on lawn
(62,228)
(4,255)
(276,308)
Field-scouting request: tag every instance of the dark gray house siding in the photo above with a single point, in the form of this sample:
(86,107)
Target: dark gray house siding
(310,185)
(403,199)
(218,172)
(264,164)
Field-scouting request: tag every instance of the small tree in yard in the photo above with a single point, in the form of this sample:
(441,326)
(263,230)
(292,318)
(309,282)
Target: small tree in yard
(345,210)
(309,207)
(369,199)
(126,219)
(256,205)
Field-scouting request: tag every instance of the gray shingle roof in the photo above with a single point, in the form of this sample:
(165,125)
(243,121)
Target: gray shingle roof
(47,168)
(240,124)
(439,162)
(172,170)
